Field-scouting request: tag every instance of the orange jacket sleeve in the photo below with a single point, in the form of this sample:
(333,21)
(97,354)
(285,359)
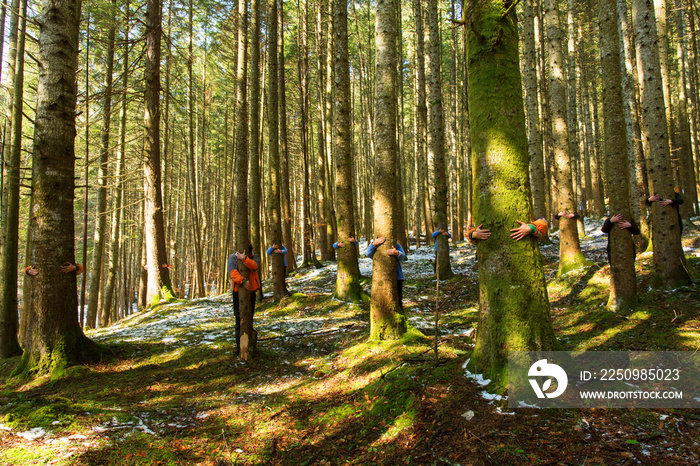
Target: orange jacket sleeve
(541,226)
(78,269)
(469,232)
(250,263)
(236,277)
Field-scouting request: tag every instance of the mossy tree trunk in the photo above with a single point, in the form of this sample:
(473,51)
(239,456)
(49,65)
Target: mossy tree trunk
(386,320)
(436,139)
(9,325)
(669,260)
(347,285)
(279,285)
(513,306)
(570,255)
(158,285)
(54,338)
(241,222)
(623,279)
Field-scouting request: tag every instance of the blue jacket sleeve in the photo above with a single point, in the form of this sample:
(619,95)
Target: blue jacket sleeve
(402,253)
(335,245)
(284,250)
(436,233)
(269,251)
(370,250)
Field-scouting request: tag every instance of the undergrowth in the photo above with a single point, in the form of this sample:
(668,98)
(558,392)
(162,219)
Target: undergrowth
(332,397)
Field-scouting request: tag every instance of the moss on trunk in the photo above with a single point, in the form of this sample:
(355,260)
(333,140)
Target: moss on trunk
(513,304)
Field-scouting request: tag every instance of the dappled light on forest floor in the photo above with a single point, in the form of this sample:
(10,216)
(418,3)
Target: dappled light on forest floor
(170,391)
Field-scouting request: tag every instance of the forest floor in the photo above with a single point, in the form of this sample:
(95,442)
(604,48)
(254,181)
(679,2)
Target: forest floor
(169,391)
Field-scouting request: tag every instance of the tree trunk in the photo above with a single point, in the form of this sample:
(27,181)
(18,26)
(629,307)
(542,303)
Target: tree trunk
(531,104)
(513,305)
(193,190)
(11,65)
(9,325)
(159,286)
(669,260)
(308,244)
(387,320)
(347,284)
(83,282)
(570,255)
(436,141)
(572,112)
(623,280)
(54,338)
(242,230)
(254,150)
(401,230)
(421,123)
(662,36)
(321,29)
(98,251)
(286,194)
(117,214)
(279,285)
(687,178)
(635,149)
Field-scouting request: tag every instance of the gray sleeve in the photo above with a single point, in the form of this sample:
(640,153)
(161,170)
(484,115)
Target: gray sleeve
(231,264)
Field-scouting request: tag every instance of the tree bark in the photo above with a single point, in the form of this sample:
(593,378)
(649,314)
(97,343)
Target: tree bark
(533,115)
(421,133)
(54,338)
(9,324)
(635,149)
(118,213)
(159,286)
(570,255)
(623,280)
(99,240)
(347,284)
(193,190)
(684,146)
(279,285)
(321,28)
(436,141)
(513,306)
(286,194)
(255,180)
(386,318)
(242,229)
(669,260)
